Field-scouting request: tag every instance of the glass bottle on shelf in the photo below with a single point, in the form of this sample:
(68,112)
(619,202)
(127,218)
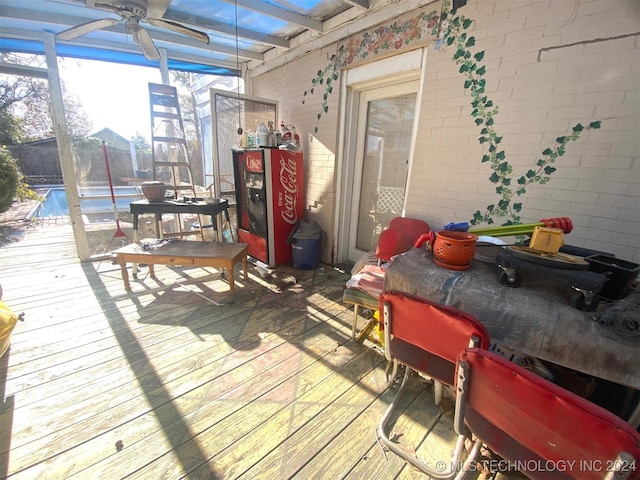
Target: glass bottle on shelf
(271,137)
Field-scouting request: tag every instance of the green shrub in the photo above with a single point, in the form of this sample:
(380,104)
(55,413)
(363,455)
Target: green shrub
(11,184)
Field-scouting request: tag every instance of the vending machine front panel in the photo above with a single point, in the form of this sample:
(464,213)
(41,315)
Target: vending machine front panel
(285,200)
(251,198)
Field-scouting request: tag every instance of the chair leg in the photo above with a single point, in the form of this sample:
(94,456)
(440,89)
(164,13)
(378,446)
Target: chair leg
(355,321)
(437,392)
(448,472)
(473,454)
(391,372)
(362,334)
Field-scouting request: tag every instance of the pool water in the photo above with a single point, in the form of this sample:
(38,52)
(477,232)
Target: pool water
(95,202)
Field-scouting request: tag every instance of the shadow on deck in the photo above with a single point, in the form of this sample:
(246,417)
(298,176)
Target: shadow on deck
(182,379)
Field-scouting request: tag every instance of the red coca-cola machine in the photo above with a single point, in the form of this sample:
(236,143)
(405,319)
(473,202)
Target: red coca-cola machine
(269,201)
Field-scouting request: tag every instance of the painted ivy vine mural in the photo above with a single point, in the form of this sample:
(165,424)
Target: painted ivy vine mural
(483,113)
(387,38)
(451,30)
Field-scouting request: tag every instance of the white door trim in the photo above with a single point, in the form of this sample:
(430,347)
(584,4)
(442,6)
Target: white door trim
(405,67)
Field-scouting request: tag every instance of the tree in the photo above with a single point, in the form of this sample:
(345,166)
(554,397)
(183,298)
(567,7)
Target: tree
(11,184)
(10,128)
(25,114)
(14,90)
(25,105)
(141,143)
(37,118)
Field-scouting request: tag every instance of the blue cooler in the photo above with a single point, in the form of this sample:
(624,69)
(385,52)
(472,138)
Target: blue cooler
(305,245)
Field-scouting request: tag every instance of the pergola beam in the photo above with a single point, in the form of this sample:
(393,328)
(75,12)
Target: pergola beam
(65,149)
(23,70)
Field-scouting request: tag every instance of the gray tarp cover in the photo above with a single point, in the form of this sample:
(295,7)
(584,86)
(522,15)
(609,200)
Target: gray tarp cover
(535,319)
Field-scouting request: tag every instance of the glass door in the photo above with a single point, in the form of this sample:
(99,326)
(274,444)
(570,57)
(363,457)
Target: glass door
(385,136)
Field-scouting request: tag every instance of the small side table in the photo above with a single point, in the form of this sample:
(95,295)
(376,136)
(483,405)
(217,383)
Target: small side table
(174,206)
(183,252)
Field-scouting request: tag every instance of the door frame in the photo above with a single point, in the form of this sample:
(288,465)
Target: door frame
(406,67)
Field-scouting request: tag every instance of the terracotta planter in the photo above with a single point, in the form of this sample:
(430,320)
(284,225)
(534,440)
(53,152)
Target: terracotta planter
(153,191)
(454,250)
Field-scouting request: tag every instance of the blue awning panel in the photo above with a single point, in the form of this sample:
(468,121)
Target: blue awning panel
(87,53)
(238,32)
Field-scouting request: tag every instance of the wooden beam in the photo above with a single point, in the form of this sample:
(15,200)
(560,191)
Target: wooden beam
(164,66)
(310,41)
(278,12)
(23,70)
(220,27)
(364,4)
(65,149)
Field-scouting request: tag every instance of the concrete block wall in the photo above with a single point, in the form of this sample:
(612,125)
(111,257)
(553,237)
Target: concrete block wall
(550,64)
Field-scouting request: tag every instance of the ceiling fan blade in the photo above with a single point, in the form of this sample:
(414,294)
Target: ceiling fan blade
(147,46)
(179,28)
(84,28)
(157,8)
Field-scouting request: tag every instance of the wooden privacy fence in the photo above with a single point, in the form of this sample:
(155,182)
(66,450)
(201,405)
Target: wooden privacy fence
(40,164)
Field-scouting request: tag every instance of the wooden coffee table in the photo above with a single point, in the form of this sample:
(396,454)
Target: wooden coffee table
(153,251)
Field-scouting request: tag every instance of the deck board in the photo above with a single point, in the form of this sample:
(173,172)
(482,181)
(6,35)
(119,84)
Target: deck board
(182,379)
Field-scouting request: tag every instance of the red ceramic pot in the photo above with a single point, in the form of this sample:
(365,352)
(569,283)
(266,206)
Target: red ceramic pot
(454,250)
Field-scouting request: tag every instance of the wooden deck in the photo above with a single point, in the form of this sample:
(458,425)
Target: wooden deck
(182,379)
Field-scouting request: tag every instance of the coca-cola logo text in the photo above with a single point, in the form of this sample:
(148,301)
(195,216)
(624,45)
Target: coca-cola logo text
(253,163)
(288,180)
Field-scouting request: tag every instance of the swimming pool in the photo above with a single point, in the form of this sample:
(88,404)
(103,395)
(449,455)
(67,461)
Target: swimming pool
(95,202)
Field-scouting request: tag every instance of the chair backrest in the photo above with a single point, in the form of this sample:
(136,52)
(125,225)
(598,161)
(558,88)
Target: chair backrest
(390,243)
(427,336)
(541,428)
(399,237)
(411,229)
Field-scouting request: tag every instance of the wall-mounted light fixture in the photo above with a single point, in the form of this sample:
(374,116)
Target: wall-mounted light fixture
(457,4)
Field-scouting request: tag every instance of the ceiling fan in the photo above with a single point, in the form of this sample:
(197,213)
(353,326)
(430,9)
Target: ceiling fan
(132,13)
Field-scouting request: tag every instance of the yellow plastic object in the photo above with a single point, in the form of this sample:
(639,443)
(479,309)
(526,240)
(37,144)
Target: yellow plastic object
(379,329)
(8,321)
(545,239)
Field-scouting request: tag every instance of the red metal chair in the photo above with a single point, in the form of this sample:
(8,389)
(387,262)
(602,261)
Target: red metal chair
(539,427)
(390,243)
(428,338)
(411,229)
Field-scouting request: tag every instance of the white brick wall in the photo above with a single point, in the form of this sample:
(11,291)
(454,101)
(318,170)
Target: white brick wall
(596,183)
(542,86)
(286,85)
